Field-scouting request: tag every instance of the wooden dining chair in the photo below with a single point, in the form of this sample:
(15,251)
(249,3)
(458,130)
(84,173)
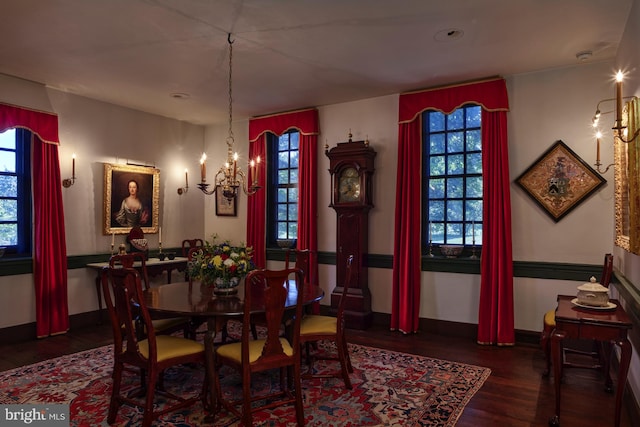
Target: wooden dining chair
(599,354)
(167,325)
(314,328)
(266,291)
(150,356)
(189,244)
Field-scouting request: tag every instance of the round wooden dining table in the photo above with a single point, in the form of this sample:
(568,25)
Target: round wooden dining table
(201,304)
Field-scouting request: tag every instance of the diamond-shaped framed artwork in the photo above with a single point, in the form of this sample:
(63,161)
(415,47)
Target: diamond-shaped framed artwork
(559,180)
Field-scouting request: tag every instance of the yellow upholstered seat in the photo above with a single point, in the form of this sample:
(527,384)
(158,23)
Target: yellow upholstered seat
(234,351)
(315,328)
(550,318)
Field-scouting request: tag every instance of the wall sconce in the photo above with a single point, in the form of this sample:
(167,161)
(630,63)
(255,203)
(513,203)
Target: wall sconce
(68,182)
(183,190)
(619,130)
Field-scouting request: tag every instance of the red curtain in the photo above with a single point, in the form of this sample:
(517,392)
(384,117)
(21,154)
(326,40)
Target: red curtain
(256,204)
(405,308)
(49,253)
(492,96)
(495,315)
(306,122)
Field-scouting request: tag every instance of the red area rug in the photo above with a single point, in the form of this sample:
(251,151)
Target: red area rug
(389,389)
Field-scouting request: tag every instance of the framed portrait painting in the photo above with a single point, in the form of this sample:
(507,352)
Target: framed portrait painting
(559,180)
(131,198)
(224,206)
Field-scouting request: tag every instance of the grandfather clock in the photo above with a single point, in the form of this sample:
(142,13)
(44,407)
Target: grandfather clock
(351,169)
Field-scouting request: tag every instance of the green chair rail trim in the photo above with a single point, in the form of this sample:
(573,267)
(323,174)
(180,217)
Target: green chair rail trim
(531,269)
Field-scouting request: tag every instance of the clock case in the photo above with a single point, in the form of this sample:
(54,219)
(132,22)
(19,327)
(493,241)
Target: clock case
(352,229)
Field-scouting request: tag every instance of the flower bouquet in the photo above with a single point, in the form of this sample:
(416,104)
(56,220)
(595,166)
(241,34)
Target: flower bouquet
(221,265)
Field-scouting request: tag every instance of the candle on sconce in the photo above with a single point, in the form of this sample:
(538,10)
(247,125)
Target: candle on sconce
(430,231)
(203,168)
(252,169)
(73,166)
(186,178)
(473,232)
(619,77)
(235,162)
(113,239)
(257,168)
(598,136)
(160,235)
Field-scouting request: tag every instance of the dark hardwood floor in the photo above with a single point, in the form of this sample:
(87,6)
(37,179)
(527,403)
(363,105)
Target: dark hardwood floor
(514,395)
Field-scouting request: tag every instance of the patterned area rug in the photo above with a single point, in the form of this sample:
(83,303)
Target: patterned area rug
(389,389)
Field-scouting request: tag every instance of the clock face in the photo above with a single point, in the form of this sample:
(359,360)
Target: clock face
(349,186)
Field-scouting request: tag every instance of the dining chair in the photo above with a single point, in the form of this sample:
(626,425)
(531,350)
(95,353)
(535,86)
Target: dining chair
(302,260)
(314,328)
(266,291)
(599,354)
(189,244)
(167,325)
(151,355)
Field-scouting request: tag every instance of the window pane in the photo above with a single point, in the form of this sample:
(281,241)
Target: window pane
(282,212)
(436,188)
(436,210)
(474,140)
(474,116)
(8,210)
(293,230)
(293,212)
(283,160)
(455,120)
(456,164)
(436,166)
(455,143)
(455,187)
(474,163)
(282,230)
(283,143)
(293,176)
(436,121)
(293,195)
(474,187)
(8,139)
(8,186)
(294,137)
(7,161)
(282,195)
(283,176)
(454,210)
(454,233)
(436,145)
(8,234)
(474,210)
(293,159)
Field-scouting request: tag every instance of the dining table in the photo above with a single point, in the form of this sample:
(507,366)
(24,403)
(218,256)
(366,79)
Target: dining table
(200,303)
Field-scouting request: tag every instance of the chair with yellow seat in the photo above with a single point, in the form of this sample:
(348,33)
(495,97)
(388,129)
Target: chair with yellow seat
(266,291)
(150,356)
(167,325)
(549,324)
(314,328)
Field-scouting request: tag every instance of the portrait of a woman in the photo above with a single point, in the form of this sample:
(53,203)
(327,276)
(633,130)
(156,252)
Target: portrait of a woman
(131,198)
(132,212)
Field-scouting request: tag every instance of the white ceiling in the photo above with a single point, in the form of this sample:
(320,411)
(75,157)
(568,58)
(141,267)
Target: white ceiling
(290,54)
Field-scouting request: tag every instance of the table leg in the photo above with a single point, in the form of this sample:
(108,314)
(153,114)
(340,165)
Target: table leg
(556,354)
(625,359)
(99,293)
(213,325)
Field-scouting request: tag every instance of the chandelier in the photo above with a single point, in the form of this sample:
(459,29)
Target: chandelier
(230,177)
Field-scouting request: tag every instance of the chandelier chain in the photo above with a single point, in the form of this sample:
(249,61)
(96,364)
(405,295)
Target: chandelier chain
(230,139)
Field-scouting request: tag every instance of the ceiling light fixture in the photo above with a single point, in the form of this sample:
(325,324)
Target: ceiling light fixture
(230,176)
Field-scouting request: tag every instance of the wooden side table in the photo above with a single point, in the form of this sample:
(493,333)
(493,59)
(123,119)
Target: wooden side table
(610,326)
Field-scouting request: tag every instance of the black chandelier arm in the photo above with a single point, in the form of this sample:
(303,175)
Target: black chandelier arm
(204,187)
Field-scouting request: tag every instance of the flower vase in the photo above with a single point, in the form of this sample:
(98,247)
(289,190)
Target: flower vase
(226,285)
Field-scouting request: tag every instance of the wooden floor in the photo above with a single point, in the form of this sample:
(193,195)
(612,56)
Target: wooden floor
(514,395)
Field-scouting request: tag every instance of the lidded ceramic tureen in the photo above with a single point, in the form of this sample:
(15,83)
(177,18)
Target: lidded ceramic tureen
(593,294)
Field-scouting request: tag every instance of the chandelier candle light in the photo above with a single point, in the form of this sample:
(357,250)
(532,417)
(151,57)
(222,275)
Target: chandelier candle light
(230,176)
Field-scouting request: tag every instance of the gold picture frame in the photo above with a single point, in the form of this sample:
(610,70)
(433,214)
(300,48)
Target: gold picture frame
(224,206)
(559,180)
(122,212)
